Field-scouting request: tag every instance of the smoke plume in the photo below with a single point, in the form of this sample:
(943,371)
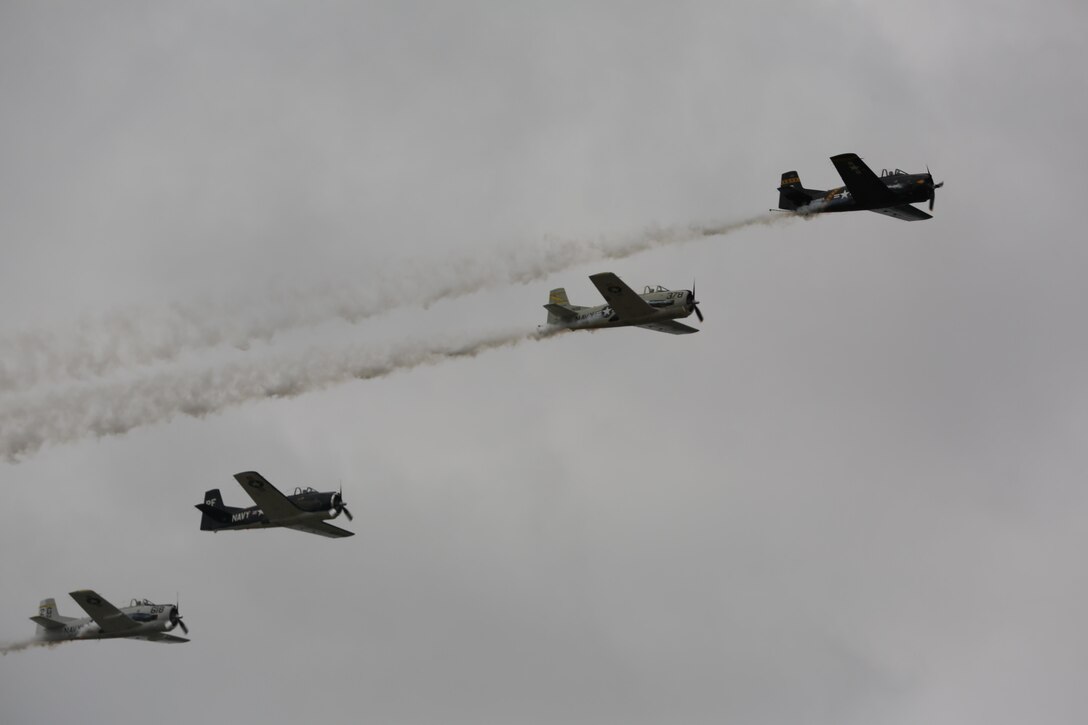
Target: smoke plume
(32,421)
(120,340)
(19,646)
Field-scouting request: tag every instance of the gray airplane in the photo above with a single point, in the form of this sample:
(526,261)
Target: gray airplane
(657,308)
(140,620)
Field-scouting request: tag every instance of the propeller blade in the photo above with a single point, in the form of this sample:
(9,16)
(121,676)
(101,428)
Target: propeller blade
(694,302)
(175,617)
(347,513)
(932,188)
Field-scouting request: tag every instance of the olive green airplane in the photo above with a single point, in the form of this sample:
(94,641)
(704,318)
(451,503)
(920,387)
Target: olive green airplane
(891,193)
(657,308)
(305,510)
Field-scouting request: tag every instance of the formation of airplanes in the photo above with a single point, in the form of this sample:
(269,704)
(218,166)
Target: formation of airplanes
(306,510)
(892,193)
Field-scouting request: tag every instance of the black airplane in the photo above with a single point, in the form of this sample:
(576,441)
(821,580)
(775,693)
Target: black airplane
(305,510)
(891,193)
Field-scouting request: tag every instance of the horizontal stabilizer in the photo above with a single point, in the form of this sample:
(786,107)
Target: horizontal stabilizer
(48,623)
(220,515)
(563,313)
(798,196)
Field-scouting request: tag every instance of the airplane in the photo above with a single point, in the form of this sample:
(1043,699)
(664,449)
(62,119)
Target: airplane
(305,510)
(891,193)
(657,308)
(141,619)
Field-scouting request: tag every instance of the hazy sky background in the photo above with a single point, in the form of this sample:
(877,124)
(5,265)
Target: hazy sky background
(856,496)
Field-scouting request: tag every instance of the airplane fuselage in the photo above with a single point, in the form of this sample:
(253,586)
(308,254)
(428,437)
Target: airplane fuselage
(313,505)
(305,510)
(668,305)
(908,189)
(152,618)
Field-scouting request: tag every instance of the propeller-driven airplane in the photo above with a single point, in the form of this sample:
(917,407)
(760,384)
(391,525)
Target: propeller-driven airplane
(305,510)
(891,193)
(655,309)
(140,620)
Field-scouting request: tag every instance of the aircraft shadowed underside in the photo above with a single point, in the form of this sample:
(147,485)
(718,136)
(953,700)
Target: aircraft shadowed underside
(891,193)
(306,510)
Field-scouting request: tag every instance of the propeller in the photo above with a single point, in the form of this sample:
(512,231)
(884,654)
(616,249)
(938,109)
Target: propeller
(932,188)
(339,505)
(693,303)
(175,617)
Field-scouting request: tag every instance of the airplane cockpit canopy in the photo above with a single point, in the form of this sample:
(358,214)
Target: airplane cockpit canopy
(308,489)
(654,288)
(141,603)
(897,172)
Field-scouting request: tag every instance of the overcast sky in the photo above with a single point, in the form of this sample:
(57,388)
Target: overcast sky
(856,496)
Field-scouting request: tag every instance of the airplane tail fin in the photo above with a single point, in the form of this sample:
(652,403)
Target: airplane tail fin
(558,296)
(48,618)
(791,194)
(215,515)
(557,302)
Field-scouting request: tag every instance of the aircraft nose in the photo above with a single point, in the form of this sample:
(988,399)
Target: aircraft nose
(176,621)
(693,304)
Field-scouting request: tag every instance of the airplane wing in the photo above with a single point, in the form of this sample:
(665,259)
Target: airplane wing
(624,300)
(164,637)
(275,505)
(108,617)
(906,212)
(865,186)
(670,326)
(321,529)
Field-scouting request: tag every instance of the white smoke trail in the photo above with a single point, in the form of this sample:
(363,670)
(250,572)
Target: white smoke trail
(97,347)
(116,408)
(19,646)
